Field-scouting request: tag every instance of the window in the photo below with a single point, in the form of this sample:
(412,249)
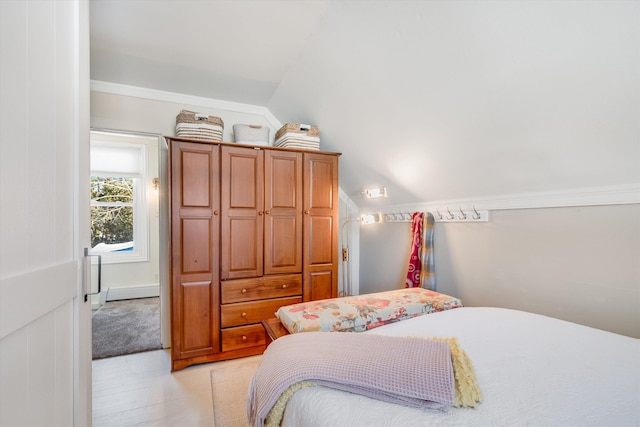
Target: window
(119,220)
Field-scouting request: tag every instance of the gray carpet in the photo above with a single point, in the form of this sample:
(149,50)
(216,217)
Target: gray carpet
(126,327)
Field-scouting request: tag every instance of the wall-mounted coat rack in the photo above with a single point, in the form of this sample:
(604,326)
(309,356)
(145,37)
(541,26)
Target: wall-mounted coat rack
(444,215)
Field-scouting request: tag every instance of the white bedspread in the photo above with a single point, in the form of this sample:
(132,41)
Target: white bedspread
(533,370)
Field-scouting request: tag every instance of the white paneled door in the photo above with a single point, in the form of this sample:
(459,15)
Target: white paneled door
(45,329)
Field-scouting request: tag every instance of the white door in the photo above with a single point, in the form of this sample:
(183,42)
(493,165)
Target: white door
(45,341)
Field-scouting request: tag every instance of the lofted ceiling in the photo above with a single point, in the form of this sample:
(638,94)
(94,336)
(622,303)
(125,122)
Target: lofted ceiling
(437,100)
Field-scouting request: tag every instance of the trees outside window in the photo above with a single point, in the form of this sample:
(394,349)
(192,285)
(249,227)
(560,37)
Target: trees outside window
(112,205)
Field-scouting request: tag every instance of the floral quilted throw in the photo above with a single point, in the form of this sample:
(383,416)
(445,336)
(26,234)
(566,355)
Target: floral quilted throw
(363,312)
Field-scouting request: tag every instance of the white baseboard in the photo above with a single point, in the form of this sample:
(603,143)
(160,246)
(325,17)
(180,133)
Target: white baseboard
(131,292)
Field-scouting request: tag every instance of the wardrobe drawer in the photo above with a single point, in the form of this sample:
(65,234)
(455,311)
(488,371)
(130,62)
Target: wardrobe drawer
(242,337)
(255,288)
(245,313)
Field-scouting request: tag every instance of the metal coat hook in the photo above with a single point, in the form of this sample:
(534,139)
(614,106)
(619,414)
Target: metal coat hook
(462,214)
(450,216)
(459,216)
(476,215)
(397,217)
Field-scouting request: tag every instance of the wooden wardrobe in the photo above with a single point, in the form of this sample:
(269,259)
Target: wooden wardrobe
(252,229)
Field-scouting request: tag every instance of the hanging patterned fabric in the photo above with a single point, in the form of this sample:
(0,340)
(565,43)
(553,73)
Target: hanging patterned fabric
(421,271)
(415,265)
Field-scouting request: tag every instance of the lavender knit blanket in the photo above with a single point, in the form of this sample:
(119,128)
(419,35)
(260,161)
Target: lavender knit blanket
(414,372)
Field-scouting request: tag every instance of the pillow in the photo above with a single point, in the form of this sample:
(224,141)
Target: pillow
(363,312)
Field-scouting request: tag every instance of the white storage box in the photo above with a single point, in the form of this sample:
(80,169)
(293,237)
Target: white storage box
(251,134)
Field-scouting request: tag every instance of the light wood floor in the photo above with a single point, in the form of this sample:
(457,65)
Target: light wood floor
(141,390)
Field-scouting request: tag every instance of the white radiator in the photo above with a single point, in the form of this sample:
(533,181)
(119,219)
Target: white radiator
(131,292)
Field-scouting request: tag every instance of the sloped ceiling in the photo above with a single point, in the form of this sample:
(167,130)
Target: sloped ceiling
(437,100)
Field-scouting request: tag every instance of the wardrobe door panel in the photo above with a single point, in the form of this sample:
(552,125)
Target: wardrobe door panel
(321,246)
(196,246)
(242,255)
(321,285)
(283,212)
(195,225)
(283,251)
(242,203)
(320,235)
(322,179)
(195,320)
(243,179)
(195,183)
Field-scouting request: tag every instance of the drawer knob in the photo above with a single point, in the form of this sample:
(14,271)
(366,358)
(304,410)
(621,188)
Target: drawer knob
(244,291)
(243,315)
(244,338)
(284,286)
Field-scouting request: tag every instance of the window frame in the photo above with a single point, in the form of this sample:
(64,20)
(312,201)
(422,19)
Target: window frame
(140,252)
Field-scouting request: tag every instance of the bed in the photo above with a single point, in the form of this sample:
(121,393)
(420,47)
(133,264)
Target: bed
(532,370)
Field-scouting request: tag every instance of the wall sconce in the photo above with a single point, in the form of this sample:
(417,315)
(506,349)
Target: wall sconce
(374,193)
(156,185)
(370,218)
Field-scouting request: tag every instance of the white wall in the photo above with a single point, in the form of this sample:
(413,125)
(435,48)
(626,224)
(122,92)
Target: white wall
(580,264)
